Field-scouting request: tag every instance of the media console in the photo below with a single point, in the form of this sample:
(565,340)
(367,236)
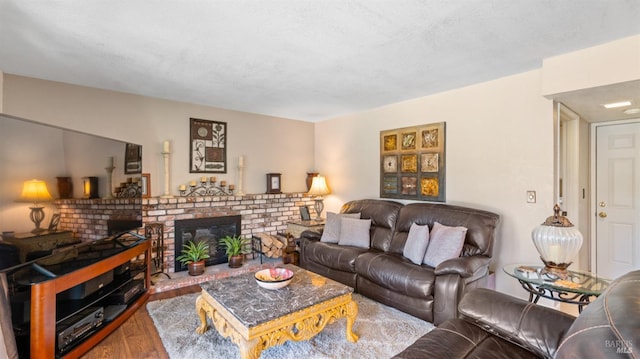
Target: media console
(64,304)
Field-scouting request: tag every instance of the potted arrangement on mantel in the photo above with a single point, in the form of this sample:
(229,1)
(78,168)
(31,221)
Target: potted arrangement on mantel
(193,256)
(235,248)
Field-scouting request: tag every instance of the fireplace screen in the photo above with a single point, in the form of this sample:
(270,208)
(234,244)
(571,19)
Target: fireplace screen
(205,229)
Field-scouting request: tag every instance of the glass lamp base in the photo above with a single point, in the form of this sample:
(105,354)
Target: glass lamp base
(557,268)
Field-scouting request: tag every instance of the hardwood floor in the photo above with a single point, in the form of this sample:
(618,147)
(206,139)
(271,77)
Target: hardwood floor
(137,336)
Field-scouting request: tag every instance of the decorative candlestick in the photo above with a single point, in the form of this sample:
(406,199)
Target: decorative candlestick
(110,167)
(165,153)
(240,192)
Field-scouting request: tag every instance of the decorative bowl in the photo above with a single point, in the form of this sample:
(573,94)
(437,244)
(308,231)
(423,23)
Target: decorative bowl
(274,278)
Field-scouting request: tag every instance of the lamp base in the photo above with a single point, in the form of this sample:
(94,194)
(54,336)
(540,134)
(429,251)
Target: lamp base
(36,216)
(560,269)
(318,206)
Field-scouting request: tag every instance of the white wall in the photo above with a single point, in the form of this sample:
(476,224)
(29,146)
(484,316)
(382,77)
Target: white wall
(269,144)
(614,62)
(499,145)
(1,90)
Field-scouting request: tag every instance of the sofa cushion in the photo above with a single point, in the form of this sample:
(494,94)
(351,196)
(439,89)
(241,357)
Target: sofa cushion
(333,256)
(354,232)
(417,242)
(383,215)
(331,231)
(444,243)
(457,338)
(516,320)
(481,225)
(609,325)
(396,273)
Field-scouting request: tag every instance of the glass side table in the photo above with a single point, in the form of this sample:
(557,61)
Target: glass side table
(576,287)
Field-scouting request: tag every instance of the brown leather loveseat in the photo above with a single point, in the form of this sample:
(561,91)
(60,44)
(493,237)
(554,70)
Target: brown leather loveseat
(496,325)
(381,272)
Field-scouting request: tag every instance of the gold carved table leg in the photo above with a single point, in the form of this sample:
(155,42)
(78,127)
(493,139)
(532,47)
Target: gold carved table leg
(201,309)
(352,312)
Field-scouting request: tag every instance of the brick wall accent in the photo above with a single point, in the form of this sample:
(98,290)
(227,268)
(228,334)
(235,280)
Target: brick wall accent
(261,213)
(87,218)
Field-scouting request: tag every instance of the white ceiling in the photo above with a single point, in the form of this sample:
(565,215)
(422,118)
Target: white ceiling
(301,59)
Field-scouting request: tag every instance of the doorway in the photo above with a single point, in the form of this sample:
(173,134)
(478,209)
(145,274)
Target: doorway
(616,205)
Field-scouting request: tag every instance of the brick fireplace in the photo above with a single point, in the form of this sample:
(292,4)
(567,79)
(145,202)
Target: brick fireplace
(209,230)
(259,213)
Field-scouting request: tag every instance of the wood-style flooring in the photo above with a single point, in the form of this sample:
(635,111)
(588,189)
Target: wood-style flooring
(137,336)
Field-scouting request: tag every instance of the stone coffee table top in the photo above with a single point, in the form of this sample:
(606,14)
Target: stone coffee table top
(253,305)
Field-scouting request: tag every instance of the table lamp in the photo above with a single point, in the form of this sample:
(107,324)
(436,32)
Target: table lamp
(36,192)
(319,188)
(557,241)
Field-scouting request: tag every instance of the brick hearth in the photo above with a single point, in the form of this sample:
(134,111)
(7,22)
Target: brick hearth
(160,283)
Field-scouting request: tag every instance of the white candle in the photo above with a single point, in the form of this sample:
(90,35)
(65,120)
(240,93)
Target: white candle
(183,187)
(110,161)
(241,161)
(165,146)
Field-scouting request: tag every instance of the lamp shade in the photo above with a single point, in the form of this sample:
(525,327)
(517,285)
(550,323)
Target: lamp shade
(319,186)
(557,241)
(35,191)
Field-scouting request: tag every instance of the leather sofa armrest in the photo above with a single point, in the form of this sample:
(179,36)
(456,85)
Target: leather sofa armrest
(452,278)
(311,235)
(535,327)
(466,267)
(307,237)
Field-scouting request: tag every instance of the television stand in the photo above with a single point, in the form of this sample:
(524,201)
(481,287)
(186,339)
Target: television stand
(97,273)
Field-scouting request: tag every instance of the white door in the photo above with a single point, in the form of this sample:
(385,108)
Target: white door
(617,199)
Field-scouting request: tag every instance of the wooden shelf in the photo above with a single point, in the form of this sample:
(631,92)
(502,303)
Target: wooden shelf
(43,304)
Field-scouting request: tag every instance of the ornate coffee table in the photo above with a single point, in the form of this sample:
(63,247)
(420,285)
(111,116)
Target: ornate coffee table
(255,318)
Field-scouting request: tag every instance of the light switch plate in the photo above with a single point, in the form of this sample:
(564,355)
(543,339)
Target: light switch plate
(531,196)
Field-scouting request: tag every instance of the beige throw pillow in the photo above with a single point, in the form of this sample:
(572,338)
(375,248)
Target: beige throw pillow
(444,243)
(331,231)
(355,232)
(416,245)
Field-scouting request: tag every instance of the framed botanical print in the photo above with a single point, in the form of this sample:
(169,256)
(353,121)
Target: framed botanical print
(412,163)
(208,146)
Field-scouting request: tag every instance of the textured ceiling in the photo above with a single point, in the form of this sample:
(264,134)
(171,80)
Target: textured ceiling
(300,59)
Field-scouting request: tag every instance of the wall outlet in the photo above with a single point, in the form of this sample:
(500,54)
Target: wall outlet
(531,196)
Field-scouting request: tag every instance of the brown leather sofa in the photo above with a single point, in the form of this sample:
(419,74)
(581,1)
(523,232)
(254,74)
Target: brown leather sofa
(496,325)
(382,273)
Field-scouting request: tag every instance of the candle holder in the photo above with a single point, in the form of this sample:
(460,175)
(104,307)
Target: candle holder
(206,187)
(165,154)
(109,170)
(129,189)
(240,179)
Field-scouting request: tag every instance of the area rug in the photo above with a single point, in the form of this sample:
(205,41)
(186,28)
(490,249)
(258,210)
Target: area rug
(383,332)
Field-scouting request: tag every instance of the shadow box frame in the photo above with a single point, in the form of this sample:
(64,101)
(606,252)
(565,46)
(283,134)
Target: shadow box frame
(413,163)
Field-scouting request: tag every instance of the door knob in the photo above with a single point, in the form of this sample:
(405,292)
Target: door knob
(602,215)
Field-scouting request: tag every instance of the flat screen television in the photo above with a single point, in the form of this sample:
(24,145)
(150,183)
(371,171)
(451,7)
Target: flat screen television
(67,161)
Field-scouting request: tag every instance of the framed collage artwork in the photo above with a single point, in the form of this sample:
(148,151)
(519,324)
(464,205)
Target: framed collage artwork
(208,146)
(412,163)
